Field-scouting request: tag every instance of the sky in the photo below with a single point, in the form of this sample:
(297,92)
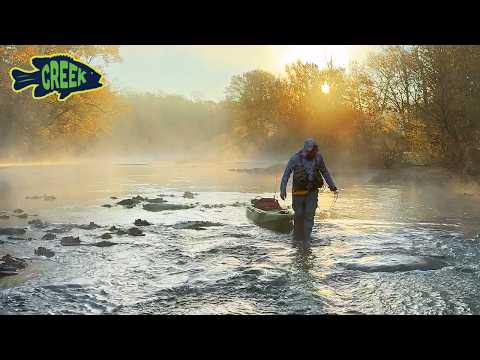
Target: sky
(203,71)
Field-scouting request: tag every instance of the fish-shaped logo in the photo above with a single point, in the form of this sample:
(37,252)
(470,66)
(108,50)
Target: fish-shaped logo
(58,73)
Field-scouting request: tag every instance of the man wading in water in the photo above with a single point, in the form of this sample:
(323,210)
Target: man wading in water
(308,168)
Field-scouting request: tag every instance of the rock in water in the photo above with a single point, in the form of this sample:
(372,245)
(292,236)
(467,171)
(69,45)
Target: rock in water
(113,197)
(129,203)
(35,197)
(195,225)
(18,211)
(140,222)
(70,241)
(11,231)
(90,226)
(162,207)
(107,205)
(4,217)
(106,236)
(133,231)
(22,216)
(104,244)
(14,262)
(37,223)
(188,195)
(49,236)
(49,198)
(121,232)
(41,251)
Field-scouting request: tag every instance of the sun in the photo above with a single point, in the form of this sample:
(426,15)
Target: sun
(325,88)
(317,54)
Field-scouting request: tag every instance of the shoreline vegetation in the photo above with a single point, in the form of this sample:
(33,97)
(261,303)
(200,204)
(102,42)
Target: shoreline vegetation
(404,104)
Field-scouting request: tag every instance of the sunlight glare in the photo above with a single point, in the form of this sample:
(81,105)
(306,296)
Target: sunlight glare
(325,88)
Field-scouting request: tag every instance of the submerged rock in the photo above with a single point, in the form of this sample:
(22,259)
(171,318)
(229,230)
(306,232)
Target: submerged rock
(140,222)
(22,216)
(106,236)
(189,195)
(133,231)
(18,238)
(195,225)
(17,263)
(266,170)
(70,241)
(156,201)
(4,217)
(237,235)
(219,206)
(162,207)
(104,244)
(62,229)
(41,251)
(38,197)
(113,197)
(213,206)
(49,236)
(121,232)
(18,211)
(107,205)
(166,195)
(397,263)
(12,231)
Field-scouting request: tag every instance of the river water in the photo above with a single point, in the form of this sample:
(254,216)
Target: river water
(384,248)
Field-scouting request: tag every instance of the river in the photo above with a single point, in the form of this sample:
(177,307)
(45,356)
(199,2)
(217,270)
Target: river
(385,247)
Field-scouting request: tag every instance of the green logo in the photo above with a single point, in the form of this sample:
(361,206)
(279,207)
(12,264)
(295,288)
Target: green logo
(57,73)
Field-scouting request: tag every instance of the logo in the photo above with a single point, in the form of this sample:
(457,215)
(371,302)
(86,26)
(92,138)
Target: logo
(59,73)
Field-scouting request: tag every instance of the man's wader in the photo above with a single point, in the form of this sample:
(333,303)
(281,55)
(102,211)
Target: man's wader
(305,199)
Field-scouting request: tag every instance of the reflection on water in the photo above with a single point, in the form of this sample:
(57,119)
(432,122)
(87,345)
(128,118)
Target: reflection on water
(398,249)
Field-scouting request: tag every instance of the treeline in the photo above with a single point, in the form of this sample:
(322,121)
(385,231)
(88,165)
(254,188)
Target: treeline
(404,99)
(165,126)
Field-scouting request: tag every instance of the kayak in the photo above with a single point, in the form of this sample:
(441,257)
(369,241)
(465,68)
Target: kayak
(267,213)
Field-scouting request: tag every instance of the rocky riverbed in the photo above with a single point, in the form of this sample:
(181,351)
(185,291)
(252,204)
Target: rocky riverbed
(176,240)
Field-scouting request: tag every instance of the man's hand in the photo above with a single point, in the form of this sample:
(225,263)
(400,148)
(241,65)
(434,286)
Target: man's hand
(283,195)
(333,188)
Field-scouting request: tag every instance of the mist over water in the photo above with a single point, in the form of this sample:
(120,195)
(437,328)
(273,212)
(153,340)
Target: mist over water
(388,246)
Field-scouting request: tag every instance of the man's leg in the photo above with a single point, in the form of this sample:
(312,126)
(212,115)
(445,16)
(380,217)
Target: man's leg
(298,204)
(311,203)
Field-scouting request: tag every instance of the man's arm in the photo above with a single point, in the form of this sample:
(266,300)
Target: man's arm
(286,176)
(326,173)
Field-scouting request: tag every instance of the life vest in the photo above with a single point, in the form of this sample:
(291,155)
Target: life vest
(266,204)
(300,177)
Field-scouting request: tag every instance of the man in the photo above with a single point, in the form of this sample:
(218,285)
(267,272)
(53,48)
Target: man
(308,168)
